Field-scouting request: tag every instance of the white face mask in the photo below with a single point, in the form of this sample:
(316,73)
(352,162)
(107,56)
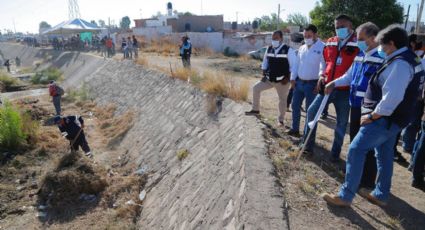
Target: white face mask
(275,43)
(309,41)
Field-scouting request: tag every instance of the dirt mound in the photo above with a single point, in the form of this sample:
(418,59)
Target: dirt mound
(73,177)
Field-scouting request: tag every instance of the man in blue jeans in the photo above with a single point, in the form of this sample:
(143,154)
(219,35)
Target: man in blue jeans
(357,77)
(418,156)
(390,97)
(339,54)
(304,80)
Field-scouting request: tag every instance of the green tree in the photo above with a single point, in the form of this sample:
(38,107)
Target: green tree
(270,23)
(380,12)
(298,19)
(44,25)
(125,23)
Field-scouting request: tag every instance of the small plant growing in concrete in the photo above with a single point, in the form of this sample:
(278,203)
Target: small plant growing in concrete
(182,154)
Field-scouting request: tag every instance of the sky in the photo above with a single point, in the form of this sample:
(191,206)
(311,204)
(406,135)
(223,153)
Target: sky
(25,15)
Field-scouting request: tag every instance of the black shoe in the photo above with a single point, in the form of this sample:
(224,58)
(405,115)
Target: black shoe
(252,113)
(324,116)
(308,152)
(293,133)
(399,158)
(419,184)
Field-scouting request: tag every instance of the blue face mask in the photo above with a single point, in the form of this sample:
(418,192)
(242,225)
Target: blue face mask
(342,33)
(381,52)
(362,45)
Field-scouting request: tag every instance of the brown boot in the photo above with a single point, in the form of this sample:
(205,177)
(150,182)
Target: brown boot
(366,194)
(335,200)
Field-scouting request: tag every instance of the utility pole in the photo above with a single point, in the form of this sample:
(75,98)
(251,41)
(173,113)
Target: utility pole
(407,18)
(418,19)
(14,26)
(278,17)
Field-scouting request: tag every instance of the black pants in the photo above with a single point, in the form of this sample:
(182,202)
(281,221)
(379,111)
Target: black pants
(186,61)
(289,100)
(370,168)
(81,142)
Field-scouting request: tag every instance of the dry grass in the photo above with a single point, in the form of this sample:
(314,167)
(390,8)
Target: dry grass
(185,74)
(73,175)
(285,144)
(114,127)
(143,61)
(223,85)
(163,46)
(182,154)
(244,58)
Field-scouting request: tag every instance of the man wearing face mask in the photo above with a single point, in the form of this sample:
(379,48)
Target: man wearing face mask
(304,80)
(357,77)
(390,97)
(339,54)
(279,61)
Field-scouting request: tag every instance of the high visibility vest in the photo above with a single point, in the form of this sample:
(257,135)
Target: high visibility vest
(278,64)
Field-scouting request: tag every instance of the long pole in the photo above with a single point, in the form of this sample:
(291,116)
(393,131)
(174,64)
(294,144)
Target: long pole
(278,17)
(407,18)
(418,20)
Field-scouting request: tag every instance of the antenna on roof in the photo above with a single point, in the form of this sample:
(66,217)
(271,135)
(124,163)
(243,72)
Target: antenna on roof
(73,9)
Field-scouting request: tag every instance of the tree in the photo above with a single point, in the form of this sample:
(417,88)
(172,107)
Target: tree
(125,23)
(270,23)
(298,19)
(101,23)
(186,14)
(93,22)
(380,12)
(44,25)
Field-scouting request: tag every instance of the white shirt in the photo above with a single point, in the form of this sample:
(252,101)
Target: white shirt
(292,59)
(309,62)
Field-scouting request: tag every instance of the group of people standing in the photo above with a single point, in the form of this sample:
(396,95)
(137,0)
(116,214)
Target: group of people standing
(373,79)
(130,47)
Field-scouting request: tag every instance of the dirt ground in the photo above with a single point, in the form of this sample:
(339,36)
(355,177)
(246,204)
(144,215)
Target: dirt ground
(23,175)
(303,185)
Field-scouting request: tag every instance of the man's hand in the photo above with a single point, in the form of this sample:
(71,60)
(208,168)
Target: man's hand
(329,88)
(320,82)
(292,84)
(365,120)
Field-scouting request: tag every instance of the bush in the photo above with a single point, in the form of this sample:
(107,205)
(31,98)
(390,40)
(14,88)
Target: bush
(47,75)
(79,95)
(8,80)
(221,85)
(230,53)
(11,127)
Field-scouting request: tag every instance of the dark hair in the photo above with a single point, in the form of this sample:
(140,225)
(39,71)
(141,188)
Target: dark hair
(343,17)
(312,28)
(393,33)
(369,28)
(413,38)
(278,32)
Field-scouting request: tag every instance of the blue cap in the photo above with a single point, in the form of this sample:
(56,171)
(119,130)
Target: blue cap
(56,119)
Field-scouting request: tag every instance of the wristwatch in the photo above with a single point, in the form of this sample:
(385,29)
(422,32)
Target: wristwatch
(370,117)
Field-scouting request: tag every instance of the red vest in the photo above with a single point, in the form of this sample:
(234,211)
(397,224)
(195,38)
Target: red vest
(339,61)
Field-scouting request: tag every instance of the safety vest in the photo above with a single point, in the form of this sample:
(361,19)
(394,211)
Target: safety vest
(364,66)
(338,61)
(403,114)
(278,64)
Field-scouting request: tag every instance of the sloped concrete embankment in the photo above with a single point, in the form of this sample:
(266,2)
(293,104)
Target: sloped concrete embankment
(226,182)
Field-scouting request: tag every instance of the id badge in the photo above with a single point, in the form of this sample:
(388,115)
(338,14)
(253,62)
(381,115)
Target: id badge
(339,61)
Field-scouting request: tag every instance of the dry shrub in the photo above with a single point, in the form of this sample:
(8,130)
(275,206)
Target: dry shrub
(51,140)
(204,51)
(184,74)
(123,189)
(245,58)
(221,85)
(73,176)
(164,46)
